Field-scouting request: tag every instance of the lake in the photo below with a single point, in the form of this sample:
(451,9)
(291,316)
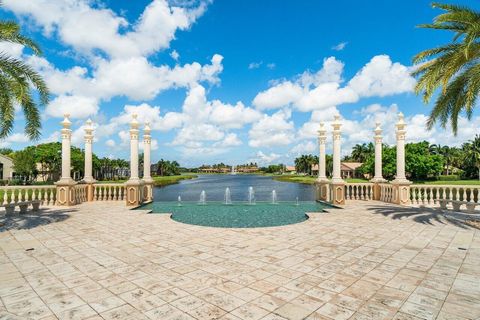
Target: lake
(214,186)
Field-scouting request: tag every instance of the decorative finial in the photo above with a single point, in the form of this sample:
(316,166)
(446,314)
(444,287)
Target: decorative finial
(336,122)
(321,130)
(66,123)
(378,129)
(147,128)
(134,123)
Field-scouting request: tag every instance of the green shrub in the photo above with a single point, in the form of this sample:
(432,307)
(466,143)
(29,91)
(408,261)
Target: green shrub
(452,177)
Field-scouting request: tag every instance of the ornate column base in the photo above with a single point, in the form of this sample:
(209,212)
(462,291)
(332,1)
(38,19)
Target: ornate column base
(337,192)
(134,192)
(401,192)
(89,182)
(376,187)
(148,190)
(65,193)
(322,189)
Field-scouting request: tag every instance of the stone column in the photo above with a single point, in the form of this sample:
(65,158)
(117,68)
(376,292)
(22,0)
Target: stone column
(65,186)
(88,177)
(401,193)
(322,183)
(338,184)
(147,179)
(134,186)
(378,177)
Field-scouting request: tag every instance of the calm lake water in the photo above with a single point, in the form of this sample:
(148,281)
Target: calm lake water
(214,186)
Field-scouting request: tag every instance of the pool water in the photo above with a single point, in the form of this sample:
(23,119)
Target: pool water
(238,214)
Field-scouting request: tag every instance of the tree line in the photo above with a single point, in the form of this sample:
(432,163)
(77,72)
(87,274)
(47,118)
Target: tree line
(422,161)
(43,163)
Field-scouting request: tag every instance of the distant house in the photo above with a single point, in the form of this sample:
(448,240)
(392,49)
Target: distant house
(6,167)
(247,168)
(347,170)
(291,169)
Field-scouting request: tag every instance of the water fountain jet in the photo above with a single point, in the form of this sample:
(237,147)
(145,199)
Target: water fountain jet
(179,199)
(274,197)
(251,195)
(203,198)
(228,199)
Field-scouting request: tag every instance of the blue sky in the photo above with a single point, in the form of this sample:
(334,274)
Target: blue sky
(230,81)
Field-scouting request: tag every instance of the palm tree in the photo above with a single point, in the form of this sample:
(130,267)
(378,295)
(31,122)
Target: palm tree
(453,67)
(360,152)
(472,149)
(16,81)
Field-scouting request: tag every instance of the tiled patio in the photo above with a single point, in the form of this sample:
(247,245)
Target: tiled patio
(367,261)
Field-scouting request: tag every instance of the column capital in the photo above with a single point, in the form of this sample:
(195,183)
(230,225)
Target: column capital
(336,124)
(88,131)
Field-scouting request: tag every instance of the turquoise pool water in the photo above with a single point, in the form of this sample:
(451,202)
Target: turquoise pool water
(238,214)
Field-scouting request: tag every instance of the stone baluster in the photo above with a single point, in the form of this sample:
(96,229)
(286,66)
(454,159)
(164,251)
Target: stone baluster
(65,186)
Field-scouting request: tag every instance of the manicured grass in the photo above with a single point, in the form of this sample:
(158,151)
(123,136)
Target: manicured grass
(455,183)
(309,179)
(165,181)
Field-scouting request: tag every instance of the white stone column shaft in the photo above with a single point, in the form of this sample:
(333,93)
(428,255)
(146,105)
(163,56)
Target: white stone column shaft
(337,177)
(147,141)
(66,143)
(134,148)
(378,153)
(400,132)
(88,177)
(322,138)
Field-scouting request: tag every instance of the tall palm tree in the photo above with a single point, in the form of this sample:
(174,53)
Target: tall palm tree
(473,152)
(453,67)
(16,82)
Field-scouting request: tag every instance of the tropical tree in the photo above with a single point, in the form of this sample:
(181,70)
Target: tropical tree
(360,152)
(454,67)
(472,153)
(16,82)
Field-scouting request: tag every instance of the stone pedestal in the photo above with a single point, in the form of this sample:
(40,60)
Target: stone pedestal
(65,192)
(337,192)
(322,190)
(376,187)
(148,190)
(401,192)
(134,190)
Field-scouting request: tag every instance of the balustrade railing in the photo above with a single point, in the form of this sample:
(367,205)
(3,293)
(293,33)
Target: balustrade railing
(359,191)
(386,192)
(108,192)
(14,194)
(425,195)
(80,192)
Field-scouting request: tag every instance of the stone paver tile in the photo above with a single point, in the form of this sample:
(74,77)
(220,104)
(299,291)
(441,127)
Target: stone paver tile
(374,310)
(334,311)
(78,313)
(419,311)
(220,299)
(249,311)
(30,308)
(268,302)
(167,312)
(207,311)
(272,316)
(247,294)
(188,303)
(123,312)
(106,304)
(142,300)
(347,302)
(293,311)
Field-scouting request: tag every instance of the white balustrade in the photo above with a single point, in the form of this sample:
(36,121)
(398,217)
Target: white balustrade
(426,195)
(14,194)
(386,192)
(108,192)
(359,191)
(80,193)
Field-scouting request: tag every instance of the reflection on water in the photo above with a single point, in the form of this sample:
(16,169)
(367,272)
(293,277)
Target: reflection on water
(215,185)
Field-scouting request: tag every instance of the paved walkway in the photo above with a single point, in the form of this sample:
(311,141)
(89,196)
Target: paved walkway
(367,261)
